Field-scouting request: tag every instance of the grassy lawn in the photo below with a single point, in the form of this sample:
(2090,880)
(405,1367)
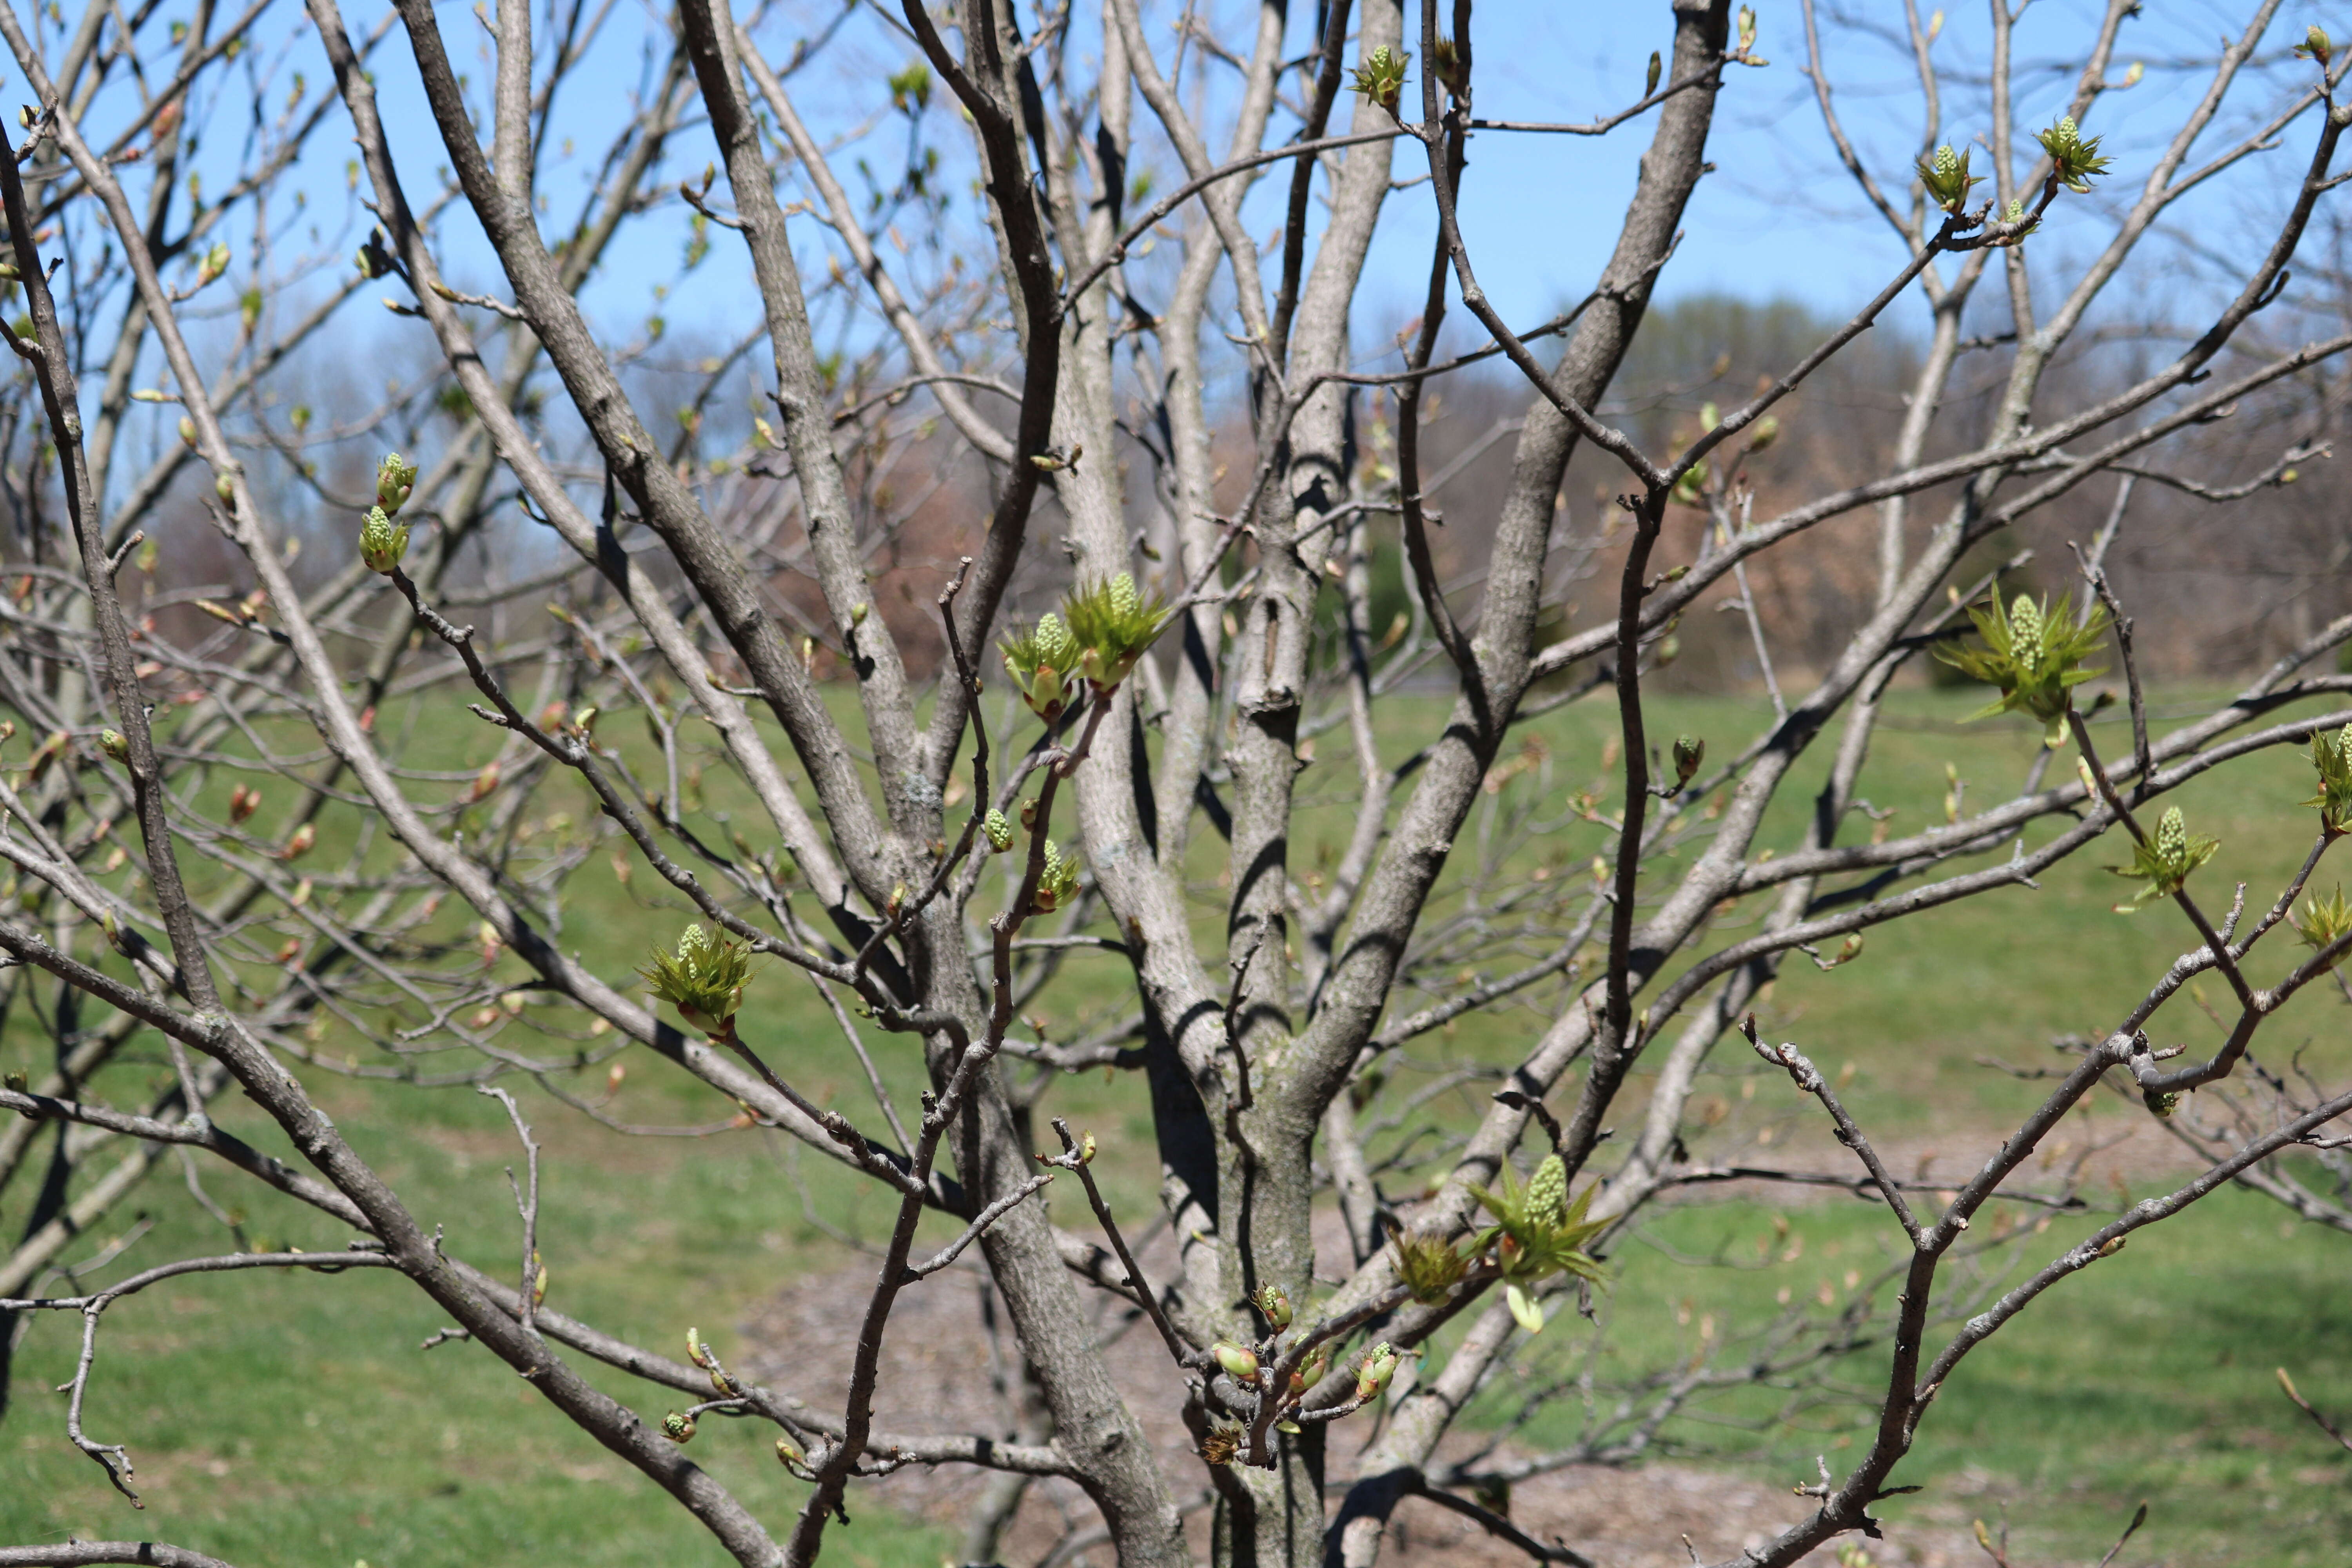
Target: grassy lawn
(2147,1376)
(294,1420)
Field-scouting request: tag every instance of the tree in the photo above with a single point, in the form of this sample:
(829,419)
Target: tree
(1200,634)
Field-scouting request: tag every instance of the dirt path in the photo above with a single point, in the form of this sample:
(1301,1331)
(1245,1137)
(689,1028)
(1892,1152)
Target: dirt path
(941,1372)
(936,1376)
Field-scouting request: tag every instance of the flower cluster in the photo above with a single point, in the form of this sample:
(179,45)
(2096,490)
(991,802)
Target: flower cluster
(1059,883)
(1113,625)
(1381,77)
(2034,653)
(1538,1233)
(2164,860)
(383,541)
(2075,158)
(1947,178)
(1100,632)
(1042,662)
(704,979)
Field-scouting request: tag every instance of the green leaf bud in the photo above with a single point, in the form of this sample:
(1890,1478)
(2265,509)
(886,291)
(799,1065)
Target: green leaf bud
(1428,1266)
(1237,1359)
(2324,923)
(1689,752)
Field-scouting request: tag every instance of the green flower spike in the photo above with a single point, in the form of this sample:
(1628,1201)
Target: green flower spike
(395,479)
(1538,1233)
(2165,861)
(1947,178)
(677,1428)
(1112,625)
(2034,653)
(1381,77)
(1548,1193)
(1041,663)
(2332,756)
(1059,884)
(2075,158)
(703,980)
(2324,923)
(997,830)
(383,541)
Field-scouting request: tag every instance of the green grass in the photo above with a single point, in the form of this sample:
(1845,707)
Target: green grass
(293,1419)
(284,1420)
(2146,1376)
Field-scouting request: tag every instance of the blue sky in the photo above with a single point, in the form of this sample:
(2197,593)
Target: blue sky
(1775,218)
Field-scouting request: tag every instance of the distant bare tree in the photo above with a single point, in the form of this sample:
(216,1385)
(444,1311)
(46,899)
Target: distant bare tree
(288,745)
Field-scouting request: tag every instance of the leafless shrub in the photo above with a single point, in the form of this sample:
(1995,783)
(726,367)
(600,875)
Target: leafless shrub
(1037,425)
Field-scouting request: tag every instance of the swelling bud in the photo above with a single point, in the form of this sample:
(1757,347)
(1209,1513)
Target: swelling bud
(382,542)
(1276,1305)
(1239,1360)
(395,478)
